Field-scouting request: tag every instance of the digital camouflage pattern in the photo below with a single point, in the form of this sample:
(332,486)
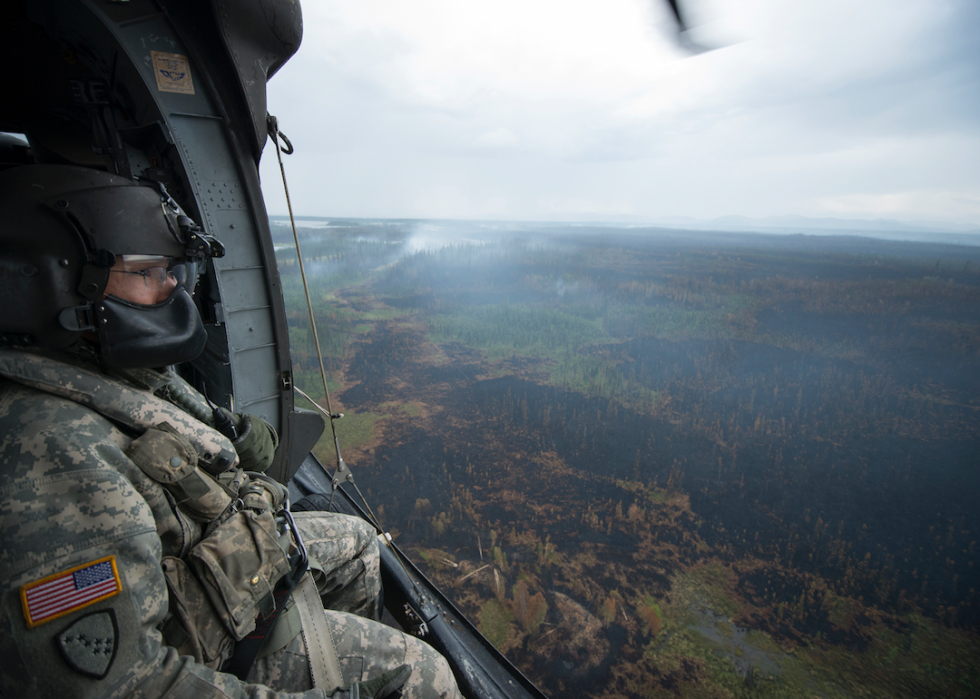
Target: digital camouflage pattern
(345,561)
(365,648)
(70,494)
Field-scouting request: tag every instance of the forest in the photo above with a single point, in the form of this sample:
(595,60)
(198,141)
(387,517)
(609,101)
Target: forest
(665,463)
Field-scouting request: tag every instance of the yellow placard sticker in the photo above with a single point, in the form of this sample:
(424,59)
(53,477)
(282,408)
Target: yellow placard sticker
(173,72)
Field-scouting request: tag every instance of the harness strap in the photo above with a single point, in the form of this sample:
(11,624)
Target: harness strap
(116,400)
(320,650)
(247,649)
(288,627)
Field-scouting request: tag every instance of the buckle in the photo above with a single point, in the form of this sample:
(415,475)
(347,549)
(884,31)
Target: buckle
(299,562)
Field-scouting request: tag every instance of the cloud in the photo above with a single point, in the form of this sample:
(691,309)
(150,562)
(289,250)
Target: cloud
(528,108)
(500,137)
(586,207)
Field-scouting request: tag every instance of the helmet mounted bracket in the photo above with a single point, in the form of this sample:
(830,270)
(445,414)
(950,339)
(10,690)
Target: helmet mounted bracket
(199,245)
(77,319)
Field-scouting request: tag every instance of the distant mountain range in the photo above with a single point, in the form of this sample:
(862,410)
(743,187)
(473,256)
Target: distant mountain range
(929,231)
(803,222)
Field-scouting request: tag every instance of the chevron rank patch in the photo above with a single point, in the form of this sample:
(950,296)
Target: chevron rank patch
(89,645)
(68,591)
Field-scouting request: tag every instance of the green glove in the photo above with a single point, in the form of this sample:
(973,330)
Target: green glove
(256,443)
(384,685)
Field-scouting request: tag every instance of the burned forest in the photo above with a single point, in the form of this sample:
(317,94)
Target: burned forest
(653,463)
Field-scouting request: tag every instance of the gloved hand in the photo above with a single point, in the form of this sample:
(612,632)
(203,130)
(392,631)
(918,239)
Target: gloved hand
(256,440)
(384,686)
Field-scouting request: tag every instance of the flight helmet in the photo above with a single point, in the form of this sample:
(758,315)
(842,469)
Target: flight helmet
(62,228)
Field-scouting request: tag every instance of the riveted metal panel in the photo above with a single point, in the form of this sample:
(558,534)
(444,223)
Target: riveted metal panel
(250,328)
(257,392)
(246,250)
(243,288)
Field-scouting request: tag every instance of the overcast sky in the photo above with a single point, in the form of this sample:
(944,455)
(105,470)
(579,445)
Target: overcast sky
(583,109)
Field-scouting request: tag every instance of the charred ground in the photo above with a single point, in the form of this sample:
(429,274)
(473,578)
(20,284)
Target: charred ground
(651,465)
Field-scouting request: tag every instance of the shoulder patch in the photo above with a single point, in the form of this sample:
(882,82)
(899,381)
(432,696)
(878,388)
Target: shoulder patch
(89,645)
(68,591)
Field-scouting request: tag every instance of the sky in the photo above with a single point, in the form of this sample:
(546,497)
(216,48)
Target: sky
(573,110)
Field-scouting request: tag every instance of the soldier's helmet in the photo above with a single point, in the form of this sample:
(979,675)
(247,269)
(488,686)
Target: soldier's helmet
(61,230)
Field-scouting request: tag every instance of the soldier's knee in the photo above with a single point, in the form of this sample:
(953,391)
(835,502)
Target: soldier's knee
(445,681)
(366,537)
(431,674)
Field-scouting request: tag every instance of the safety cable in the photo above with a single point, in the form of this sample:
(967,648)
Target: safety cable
(342,471)
(273,126)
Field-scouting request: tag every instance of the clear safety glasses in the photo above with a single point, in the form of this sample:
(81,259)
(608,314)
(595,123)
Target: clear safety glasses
(154,278)
(159,272)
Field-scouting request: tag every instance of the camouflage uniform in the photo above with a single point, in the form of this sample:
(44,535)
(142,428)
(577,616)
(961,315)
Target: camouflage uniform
(119,584)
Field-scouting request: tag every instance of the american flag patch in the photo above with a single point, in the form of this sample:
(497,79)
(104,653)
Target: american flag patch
(65,592)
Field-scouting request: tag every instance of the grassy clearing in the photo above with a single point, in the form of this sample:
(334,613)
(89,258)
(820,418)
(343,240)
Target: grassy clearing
(357,429)
(930,660)
(497,624)
(353,430)
(671,323)
(309,381)
(927,660)
(597,377)
(505,330)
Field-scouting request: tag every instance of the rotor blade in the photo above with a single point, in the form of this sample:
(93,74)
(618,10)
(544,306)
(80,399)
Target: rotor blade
(676,10)
(684,33)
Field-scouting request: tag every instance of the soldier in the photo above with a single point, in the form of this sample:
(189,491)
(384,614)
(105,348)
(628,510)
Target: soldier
(143,551)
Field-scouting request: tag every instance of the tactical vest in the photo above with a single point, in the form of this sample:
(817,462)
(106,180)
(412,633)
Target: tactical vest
(227,578)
